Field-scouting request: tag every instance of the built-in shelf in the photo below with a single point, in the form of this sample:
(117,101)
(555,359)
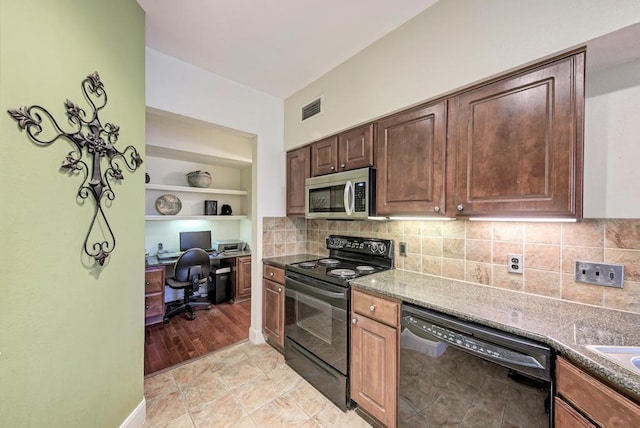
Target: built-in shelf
(194,217)
(186,189)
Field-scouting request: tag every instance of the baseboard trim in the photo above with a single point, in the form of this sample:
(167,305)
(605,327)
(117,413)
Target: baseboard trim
(255,336)
(137,417)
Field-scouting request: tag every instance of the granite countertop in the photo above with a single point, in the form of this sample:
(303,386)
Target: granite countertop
(565,326)
(155,261)
(281,262)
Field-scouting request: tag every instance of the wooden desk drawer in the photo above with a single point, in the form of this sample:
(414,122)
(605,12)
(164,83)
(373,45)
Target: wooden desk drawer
(153,280)
(376,308)
(153,305)
(273,273)
(596,400)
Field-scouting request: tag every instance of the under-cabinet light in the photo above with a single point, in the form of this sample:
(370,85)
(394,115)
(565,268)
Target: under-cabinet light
(526,219)
(412,218)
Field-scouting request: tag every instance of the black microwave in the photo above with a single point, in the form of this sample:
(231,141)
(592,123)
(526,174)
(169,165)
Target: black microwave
(345,195)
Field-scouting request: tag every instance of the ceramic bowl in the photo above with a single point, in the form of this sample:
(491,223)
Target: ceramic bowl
(199,179)
(168,204)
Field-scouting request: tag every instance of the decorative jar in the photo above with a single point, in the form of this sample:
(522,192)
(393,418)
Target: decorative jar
(199,179)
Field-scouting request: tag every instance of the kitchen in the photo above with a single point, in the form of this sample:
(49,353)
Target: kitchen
(259,114)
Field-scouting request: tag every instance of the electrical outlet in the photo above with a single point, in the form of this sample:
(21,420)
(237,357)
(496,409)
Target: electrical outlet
(600,274)
(403,249)
(515,263)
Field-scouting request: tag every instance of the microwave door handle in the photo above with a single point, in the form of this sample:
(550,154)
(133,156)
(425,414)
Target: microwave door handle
(349,198)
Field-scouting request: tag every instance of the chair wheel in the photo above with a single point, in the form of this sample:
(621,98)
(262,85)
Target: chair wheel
(165,320)
(190,316)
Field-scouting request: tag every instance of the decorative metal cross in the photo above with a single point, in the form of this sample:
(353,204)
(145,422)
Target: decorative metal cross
(97,141)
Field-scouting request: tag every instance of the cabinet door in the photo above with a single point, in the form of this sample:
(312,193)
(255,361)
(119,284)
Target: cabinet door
(410,161)
(355,148)
(374,368)
(273,312)
(324,156)
(516,144)
(243,282)
(298,169)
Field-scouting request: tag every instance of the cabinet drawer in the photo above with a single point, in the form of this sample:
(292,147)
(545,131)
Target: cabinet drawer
(567,417)
(596,400)
(153,280)
(153,305)
(273,273)
(376,308)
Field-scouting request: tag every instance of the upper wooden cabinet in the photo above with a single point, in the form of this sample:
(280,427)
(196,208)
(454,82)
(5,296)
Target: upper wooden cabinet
(298,169)
(410,161)
(515,145)
(352,149)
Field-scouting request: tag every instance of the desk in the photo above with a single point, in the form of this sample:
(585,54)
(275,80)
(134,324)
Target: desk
(240,262)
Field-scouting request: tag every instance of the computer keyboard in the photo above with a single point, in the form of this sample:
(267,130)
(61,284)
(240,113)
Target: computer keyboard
(164,256)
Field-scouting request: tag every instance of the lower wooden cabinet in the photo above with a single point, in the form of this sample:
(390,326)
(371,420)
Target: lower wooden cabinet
(273,306)
(583,401)
(374,355)
(243,279)
(153,295)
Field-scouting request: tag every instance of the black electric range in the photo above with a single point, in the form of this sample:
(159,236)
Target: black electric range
(317,307)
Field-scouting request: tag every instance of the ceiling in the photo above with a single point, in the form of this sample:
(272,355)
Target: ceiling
(275,46)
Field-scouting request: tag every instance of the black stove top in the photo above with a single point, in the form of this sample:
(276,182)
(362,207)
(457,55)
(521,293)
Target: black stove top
(349,258)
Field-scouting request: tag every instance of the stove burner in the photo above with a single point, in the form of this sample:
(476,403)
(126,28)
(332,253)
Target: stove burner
(365,268)
(307,265)
(329,262)
(342,273)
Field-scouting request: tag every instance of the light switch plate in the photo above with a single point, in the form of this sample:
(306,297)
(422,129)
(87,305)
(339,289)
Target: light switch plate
(600,274)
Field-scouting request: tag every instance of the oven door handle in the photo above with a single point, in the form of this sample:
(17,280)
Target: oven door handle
(349,198)
(313,291)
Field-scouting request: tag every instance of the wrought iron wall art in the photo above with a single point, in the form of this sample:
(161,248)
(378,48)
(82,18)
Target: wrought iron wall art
(93,139)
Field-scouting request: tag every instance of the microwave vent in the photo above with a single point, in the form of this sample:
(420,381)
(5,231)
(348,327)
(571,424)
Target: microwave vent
(312,109)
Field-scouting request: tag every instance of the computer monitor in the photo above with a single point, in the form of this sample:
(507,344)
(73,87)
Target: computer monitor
(199,239)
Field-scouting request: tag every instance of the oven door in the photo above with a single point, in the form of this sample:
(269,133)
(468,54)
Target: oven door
(316,315)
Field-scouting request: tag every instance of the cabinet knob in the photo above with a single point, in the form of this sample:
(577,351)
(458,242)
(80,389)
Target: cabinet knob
(460,207)
(146,306)
(279,289)
(270,273)
(372,308)
(146,283)
(354,321)
(436,209)
(342,165)
(332,168)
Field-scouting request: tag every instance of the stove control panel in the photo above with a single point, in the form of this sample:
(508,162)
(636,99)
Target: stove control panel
(382,247)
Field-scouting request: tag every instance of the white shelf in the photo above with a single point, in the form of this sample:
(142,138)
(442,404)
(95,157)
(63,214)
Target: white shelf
(195,217)
(186,189)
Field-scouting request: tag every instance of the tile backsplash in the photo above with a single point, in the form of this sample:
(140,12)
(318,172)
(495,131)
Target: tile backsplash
(477,251)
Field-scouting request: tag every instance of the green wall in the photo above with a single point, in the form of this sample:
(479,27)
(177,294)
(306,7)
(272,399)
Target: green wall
(71,333)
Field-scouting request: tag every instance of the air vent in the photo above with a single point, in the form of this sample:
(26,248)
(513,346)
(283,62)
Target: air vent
(312,109)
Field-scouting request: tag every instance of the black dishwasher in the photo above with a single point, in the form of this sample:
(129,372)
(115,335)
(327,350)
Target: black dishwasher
(458,373)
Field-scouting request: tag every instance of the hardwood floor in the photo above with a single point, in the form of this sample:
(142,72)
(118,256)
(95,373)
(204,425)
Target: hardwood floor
(180,339)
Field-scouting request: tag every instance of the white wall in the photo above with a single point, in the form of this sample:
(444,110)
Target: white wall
(178,87)
(451,45)
(612,127)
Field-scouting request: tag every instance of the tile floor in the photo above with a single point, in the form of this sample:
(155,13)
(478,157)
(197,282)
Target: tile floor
(244,385)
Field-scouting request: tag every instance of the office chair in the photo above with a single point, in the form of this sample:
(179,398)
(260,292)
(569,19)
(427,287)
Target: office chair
(191,269)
